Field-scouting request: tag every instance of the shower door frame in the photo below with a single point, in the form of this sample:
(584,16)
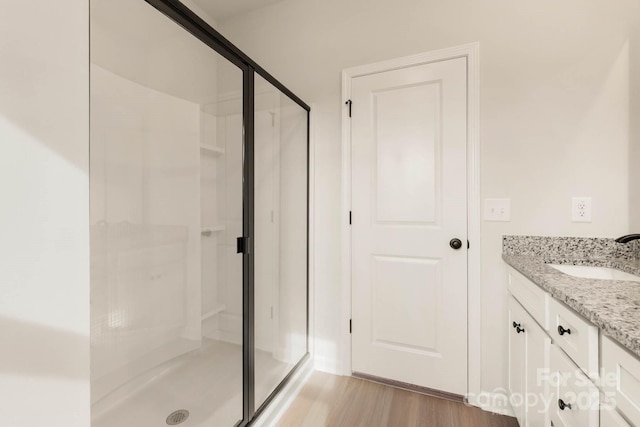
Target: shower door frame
(195,25)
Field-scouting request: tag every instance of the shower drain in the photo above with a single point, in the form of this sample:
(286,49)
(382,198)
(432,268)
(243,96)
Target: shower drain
(177,417)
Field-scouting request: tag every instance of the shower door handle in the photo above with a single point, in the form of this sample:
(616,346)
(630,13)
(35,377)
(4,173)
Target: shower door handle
(242,245)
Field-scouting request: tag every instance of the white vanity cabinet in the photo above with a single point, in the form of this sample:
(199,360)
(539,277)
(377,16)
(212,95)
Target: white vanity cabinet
(546,386)
(562,371)
(529,348)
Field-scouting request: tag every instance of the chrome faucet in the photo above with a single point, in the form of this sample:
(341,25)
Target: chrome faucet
(628,238)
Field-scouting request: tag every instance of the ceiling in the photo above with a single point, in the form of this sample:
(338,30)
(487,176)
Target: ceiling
(225,9)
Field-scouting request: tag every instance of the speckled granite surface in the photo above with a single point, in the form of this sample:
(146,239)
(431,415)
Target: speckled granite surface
(570,247)
(612,305)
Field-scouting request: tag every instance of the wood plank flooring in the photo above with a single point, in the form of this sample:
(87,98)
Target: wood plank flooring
(335,401)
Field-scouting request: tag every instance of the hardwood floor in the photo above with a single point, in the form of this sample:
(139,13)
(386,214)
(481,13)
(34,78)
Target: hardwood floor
(334,401)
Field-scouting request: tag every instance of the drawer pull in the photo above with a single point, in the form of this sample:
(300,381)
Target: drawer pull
(563,331)
(516,325)
(563,405)
(519,329)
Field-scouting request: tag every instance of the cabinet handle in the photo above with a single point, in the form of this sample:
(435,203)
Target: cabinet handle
(563,405)
(515,325)
(519,329)
(563,331)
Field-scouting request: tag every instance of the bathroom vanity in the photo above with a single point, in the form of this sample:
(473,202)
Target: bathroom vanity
(574,340)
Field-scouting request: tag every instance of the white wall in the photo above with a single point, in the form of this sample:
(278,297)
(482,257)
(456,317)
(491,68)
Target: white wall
(634,140)
(44,213)
(555,99)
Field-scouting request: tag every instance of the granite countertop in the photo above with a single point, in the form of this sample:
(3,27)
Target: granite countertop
(612,305)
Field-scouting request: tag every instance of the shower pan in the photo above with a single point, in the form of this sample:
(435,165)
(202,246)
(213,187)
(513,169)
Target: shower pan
(199,222)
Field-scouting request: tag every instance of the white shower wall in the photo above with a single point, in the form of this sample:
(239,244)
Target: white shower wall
(221,208)
(145,227)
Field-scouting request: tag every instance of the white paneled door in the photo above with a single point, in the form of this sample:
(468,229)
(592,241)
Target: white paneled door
(409,204)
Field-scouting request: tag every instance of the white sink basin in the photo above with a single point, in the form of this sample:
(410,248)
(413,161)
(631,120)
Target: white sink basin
(590,272)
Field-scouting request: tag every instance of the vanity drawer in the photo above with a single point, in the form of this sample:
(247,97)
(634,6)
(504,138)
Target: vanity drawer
(576,336)
(621,379)
(533,298)
(575,400)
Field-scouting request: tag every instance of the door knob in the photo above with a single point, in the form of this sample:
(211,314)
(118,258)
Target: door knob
(455,243)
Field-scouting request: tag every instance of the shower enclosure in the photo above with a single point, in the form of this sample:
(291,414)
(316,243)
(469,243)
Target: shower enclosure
(199,222)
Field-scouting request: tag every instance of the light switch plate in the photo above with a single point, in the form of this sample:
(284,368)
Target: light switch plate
(497,209)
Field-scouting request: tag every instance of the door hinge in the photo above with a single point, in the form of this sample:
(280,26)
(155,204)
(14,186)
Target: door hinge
(349,104)
(242,245)
(349,217)
(350,326)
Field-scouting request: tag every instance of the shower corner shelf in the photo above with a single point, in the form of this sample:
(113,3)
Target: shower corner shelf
(208,231)
(219,308)
(216,151)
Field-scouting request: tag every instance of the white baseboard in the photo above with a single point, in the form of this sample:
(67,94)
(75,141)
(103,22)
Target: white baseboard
(496,402)
(280,403)
(329,365)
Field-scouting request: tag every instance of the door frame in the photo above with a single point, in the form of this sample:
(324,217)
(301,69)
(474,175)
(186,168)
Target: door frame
(471,52)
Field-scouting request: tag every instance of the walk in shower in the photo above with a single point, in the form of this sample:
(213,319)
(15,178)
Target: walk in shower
(199,222)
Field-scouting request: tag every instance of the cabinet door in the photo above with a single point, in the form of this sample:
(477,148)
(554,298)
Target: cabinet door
(610,418)
(621,379)
(517,380)
(575,400)
(537,358)
(529,354)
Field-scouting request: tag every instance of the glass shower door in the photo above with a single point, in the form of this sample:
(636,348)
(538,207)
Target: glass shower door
(166,207)
(280,216)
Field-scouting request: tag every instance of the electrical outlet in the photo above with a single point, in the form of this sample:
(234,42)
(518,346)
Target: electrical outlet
(581,209)
(497,209)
